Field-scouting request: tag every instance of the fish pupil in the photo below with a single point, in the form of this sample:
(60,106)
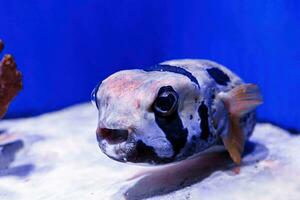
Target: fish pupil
(165,103)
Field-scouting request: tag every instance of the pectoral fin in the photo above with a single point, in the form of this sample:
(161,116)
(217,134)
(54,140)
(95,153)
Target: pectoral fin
(239,101)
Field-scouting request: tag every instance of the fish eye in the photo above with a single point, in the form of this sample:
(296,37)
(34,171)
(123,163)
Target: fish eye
(166,101)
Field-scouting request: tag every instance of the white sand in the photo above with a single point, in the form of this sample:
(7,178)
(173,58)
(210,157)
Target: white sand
(55,156)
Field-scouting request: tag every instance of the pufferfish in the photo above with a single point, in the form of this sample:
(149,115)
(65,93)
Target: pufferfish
(174,110)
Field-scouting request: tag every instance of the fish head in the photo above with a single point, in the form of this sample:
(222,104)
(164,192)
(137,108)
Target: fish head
(147,116)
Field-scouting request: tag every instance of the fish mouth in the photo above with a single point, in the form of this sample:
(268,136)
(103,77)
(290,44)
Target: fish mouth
(112,136)
(115,143)
(128,150)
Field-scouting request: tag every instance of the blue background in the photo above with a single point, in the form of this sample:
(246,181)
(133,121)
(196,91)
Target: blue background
(65,47)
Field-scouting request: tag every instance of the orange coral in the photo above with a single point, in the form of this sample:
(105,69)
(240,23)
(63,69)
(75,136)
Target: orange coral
(10,81)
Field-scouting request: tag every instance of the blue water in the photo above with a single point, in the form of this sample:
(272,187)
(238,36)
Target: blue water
(65,47)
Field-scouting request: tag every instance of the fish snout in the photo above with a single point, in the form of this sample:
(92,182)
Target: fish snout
(112,136)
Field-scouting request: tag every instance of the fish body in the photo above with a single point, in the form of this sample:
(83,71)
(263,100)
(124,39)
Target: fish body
(174,110)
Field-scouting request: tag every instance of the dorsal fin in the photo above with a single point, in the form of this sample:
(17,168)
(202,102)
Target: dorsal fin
(239,101)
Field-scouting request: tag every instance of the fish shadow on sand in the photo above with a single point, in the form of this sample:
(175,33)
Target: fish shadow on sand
(175,177)
(7,156)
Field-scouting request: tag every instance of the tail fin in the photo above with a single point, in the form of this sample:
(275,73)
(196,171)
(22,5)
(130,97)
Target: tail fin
(239,101)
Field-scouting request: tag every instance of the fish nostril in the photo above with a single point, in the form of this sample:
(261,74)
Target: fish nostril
(113,136)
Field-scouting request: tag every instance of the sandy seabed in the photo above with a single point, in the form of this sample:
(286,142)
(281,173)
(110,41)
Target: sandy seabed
(55,156)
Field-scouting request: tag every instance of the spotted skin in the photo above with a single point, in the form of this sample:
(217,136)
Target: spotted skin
(146,154)
(175,132)
(218,75)
(203,113)
(125,102)
(173,69)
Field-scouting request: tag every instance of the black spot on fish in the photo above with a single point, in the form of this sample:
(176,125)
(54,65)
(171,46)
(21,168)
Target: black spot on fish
(172,126)
(218,75)
(204,125)
(174,69)
(213,96)
(144,153)
(191,117)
